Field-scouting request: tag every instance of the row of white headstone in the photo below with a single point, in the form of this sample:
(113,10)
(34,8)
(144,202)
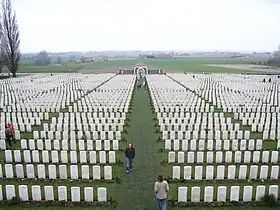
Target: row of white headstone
(224,157)
(202,145)
(197,126)
(234,193)
(83,127)
(72,135)
(95,114)
(76,172)
(233,172)
(256,116)
(60,156)
(216,134)
(40,144)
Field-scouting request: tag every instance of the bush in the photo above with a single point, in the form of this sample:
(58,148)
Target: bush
(269,200)
(13,201)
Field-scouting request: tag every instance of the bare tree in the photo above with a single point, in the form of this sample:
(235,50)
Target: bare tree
(10,37)
(43,59)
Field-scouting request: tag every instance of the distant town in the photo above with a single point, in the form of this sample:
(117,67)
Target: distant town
(119,55)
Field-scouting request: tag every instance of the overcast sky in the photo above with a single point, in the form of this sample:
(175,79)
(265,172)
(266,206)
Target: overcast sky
(82,25)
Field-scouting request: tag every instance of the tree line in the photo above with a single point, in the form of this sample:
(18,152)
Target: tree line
(9,38)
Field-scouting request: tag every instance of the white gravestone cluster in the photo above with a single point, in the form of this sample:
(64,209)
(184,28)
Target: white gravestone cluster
(75,121)
(208,124)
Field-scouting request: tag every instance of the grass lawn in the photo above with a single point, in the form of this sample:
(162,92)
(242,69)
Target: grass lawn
(195,65)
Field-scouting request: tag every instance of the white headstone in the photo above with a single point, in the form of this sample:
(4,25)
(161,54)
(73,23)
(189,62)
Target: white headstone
(182,194)
(108,173)
(190,157)
(242,172)
(273,189)
(35,156)
(8,156)
(228,158)
(62,193)
(253,172)
(256,156)
(208,194)
(74,172)
(234,193)
(237,156)
(274,172)
(40,144)
(210,144)
(176,145)
(112,157)
(73,157)
(64,156)
(209,157)
(115,145)
(247,193)
(92,157)
(75,194)
(9,171)
(218,145)
(96,172)
(274,157)
(221,172)
(88,194)
(101,194)
(23,192)
(231,172)
(102,157)
(265,156)
(187,172)
(30,171)
(17,156)
(45,156)
(64,145)
(36,193)
(63,172)
(264,172)
(85,172)
(83,157)
(10,192)
(260,192)
(26,156)
(219,157)
(198,172)
(19,171)
(52,171)
(98,145)
(226,144)
(49,195)
(195,194)
(176,172)
(222,194)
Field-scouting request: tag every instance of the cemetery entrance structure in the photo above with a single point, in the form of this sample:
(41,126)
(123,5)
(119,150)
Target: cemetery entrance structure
(140,71)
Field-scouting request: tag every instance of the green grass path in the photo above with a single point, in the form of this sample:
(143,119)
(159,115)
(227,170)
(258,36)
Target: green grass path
(136,191)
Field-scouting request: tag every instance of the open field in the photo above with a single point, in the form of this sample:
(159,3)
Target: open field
(254,68)
(193,64)
(144,128)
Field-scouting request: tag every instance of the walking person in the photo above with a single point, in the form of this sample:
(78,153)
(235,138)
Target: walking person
(129,157)
(12,132)
(161,190)
(8,135)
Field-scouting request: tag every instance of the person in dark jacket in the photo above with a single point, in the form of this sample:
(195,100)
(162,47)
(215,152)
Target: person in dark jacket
(129,157)
(8,135)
